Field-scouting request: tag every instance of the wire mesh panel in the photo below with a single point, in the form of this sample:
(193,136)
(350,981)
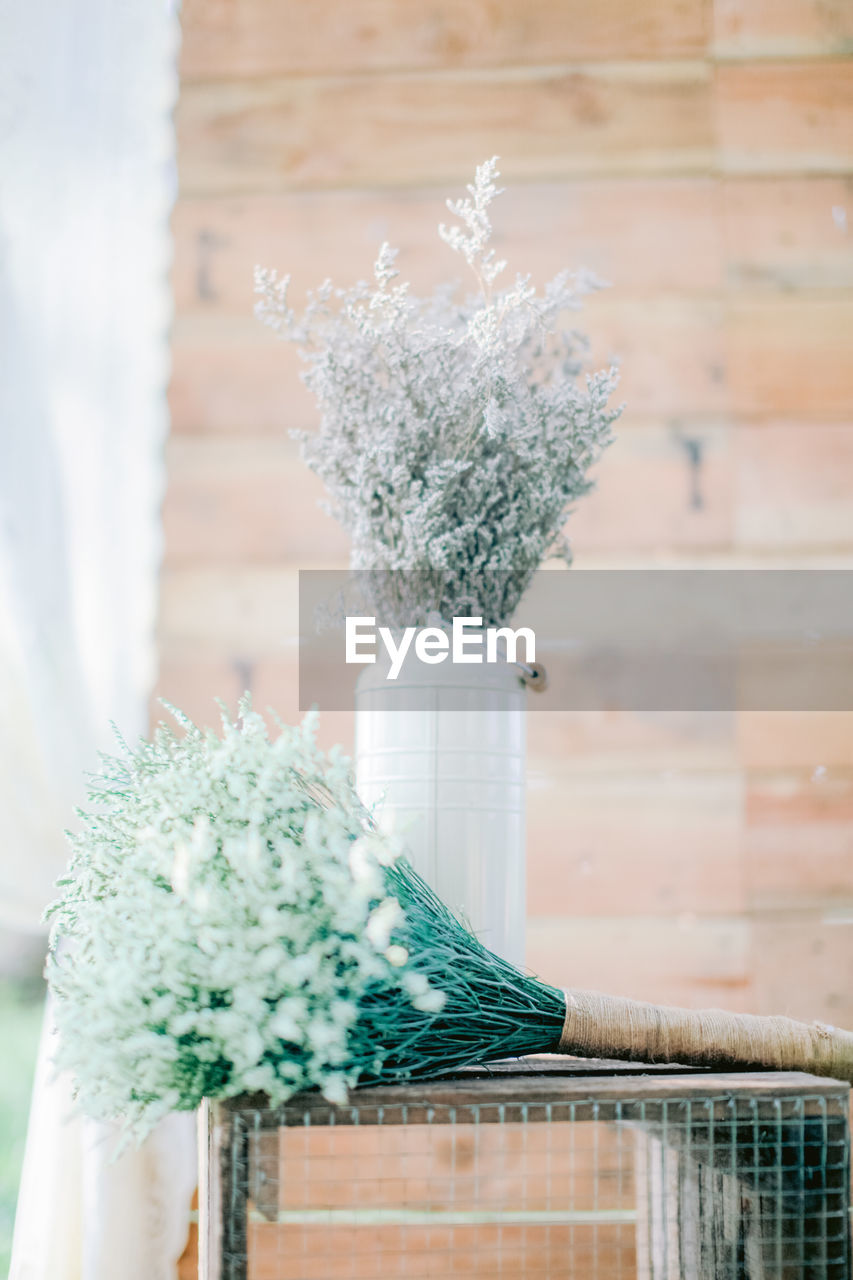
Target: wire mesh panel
(539,1170)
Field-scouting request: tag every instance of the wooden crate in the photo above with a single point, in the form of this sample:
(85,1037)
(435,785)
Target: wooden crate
(539,1168)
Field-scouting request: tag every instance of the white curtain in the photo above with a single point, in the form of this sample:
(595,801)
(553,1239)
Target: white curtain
(86,186)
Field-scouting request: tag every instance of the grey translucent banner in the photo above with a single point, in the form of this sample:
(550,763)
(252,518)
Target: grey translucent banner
(641,640)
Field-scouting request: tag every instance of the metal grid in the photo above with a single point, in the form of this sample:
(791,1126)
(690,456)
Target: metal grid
(730,1183)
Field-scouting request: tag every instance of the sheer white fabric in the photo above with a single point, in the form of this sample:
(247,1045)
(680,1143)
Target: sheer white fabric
(86,185)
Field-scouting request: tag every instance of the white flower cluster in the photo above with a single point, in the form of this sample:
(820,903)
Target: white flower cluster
(455,433)
(224,914)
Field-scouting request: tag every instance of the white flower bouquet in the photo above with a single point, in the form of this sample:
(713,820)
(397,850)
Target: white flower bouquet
(230,922)
(455,431)
(223,916)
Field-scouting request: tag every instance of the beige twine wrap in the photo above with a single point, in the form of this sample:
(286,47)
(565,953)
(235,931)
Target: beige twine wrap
(598,1026)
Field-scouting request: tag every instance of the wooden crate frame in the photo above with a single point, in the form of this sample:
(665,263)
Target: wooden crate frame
(752,1161)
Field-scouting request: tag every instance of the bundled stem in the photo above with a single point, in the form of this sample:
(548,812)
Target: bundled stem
(611,1027)
(493,1010)
(490,1010)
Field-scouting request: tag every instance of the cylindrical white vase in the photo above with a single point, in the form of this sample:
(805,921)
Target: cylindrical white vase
(440,752)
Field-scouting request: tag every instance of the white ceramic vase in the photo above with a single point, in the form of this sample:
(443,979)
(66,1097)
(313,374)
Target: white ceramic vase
(440,752)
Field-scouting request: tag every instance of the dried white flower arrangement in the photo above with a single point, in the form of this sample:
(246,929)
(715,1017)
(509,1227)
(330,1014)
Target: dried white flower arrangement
(455,433)
(224,916)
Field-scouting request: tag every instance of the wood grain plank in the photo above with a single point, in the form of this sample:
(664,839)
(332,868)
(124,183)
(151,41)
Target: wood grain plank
(250,612)
(687,466)
(804,965)
(193,675)
(640,235)
(785,117)
(478,1167)
(612,741)
(788,234)
(236,380)
(257,38)
(782,28)
(643,236)
(535,1079)
(798,840)
(791,357)
(691,960)
(475,1253)
(244,501)
(813,740)
(240,137)
(642,843)
(794,485)
(772,487)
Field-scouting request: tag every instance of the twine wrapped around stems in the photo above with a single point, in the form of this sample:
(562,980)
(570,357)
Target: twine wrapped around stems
(604,1026)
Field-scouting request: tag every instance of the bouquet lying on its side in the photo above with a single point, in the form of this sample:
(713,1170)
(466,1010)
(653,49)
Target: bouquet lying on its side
(231,922)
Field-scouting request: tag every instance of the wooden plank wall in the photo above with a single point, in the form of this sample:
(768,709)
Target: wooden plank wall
(696,153)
